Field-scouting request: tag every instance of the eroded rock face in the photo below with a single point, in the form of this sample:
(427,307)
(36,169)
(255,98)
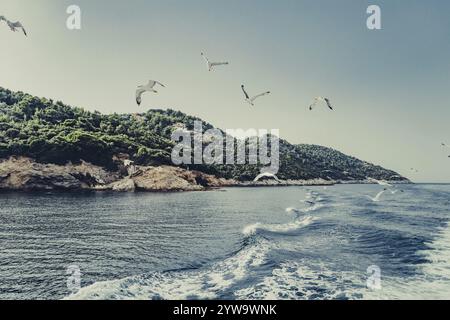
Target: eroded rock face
(24,174)
(166,178)
(124,185)
(21,173)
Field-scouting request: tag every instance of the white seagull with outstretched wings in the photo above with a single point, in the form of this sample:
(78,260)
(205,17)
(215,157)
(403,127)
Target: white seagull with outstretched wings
(377,197)
(149,87)
(321,99)
(445,146)
(251,100)
(14,26)
(380,182)
(266,175)
(210,65)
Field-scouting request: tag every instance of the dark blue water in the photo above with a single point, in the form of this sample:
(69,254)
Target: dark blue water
(239,243)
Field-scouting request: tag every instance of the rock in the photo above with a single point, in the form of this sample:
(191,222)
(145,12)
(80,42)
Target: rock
(166,178)
(124,185)
(21,173)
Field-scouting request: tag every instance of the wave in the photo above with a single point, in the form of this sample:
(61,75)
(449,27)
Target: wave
(298,222)
(206,283)
(278,228)
(432,280)
(297,281)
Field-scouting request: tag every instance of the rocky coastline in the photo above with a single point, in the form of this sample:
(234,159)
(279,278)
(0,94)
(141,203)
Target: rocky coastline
(25,174)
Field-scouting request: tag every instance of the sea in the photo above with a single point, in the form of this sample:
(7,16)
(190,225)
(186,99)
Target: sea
(343,242)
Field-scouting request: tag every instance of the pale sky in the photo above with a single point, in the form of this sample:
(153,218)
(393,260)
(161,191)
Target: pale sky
(389,87)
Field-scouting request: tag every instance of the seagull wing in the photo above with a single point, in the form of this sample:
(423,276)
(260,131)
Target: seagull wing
(316,100)
(24,32)
(328,103)
(157,82)
(18,25)
(378,196)
(245,92)
(259,95)
(208,64)
(215,64)
(139,93)
(205,57)
(151,84)
(380,182)
(11,25)
(266,175)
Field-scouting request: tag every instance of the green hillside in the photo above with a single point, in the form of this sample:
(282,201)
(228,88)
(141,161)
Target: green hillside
(52,132)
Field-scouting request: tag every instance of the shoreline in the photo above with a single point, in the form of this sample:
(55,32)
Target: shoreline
(22,174)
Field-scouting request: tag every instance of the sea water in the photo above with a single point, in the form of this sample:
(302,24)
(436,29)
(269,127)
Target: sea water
(236,243)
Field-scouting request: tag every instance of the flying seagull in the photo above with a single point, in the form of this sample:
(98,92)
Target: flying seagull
(446,146)
(14,26)
(321,99)
(146,88)
(266,175)
(251,100)
(210,65)
(377,197)
(380,182)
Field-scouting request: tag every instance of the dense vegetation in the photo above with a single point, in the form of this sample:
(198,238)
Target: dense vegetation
(52,132)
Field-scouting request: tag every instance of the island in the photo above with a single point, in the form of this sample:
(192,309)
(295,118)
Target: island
(48,145)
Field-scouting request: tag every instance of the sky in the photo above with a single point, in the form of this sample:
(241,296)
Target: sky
(389,87)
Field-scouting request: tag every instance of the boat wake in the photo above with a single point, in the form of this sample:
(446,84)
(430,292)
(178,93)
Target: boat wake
(298,281)
(432,281)
(216,281)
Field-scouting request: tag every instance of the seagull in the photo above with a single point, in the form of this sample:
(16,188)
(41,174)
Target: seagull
(380,182)
(446,146)
(146,88)
(377,197)
(251,101)
(14,25)
(321,99)
(266,175)
(211,65)
(414,170)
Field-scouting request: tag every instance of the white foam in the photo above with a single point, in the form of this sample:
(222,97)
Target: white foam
(432,283)
(279,228)
(196,284)
(296,281)
(206,283)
